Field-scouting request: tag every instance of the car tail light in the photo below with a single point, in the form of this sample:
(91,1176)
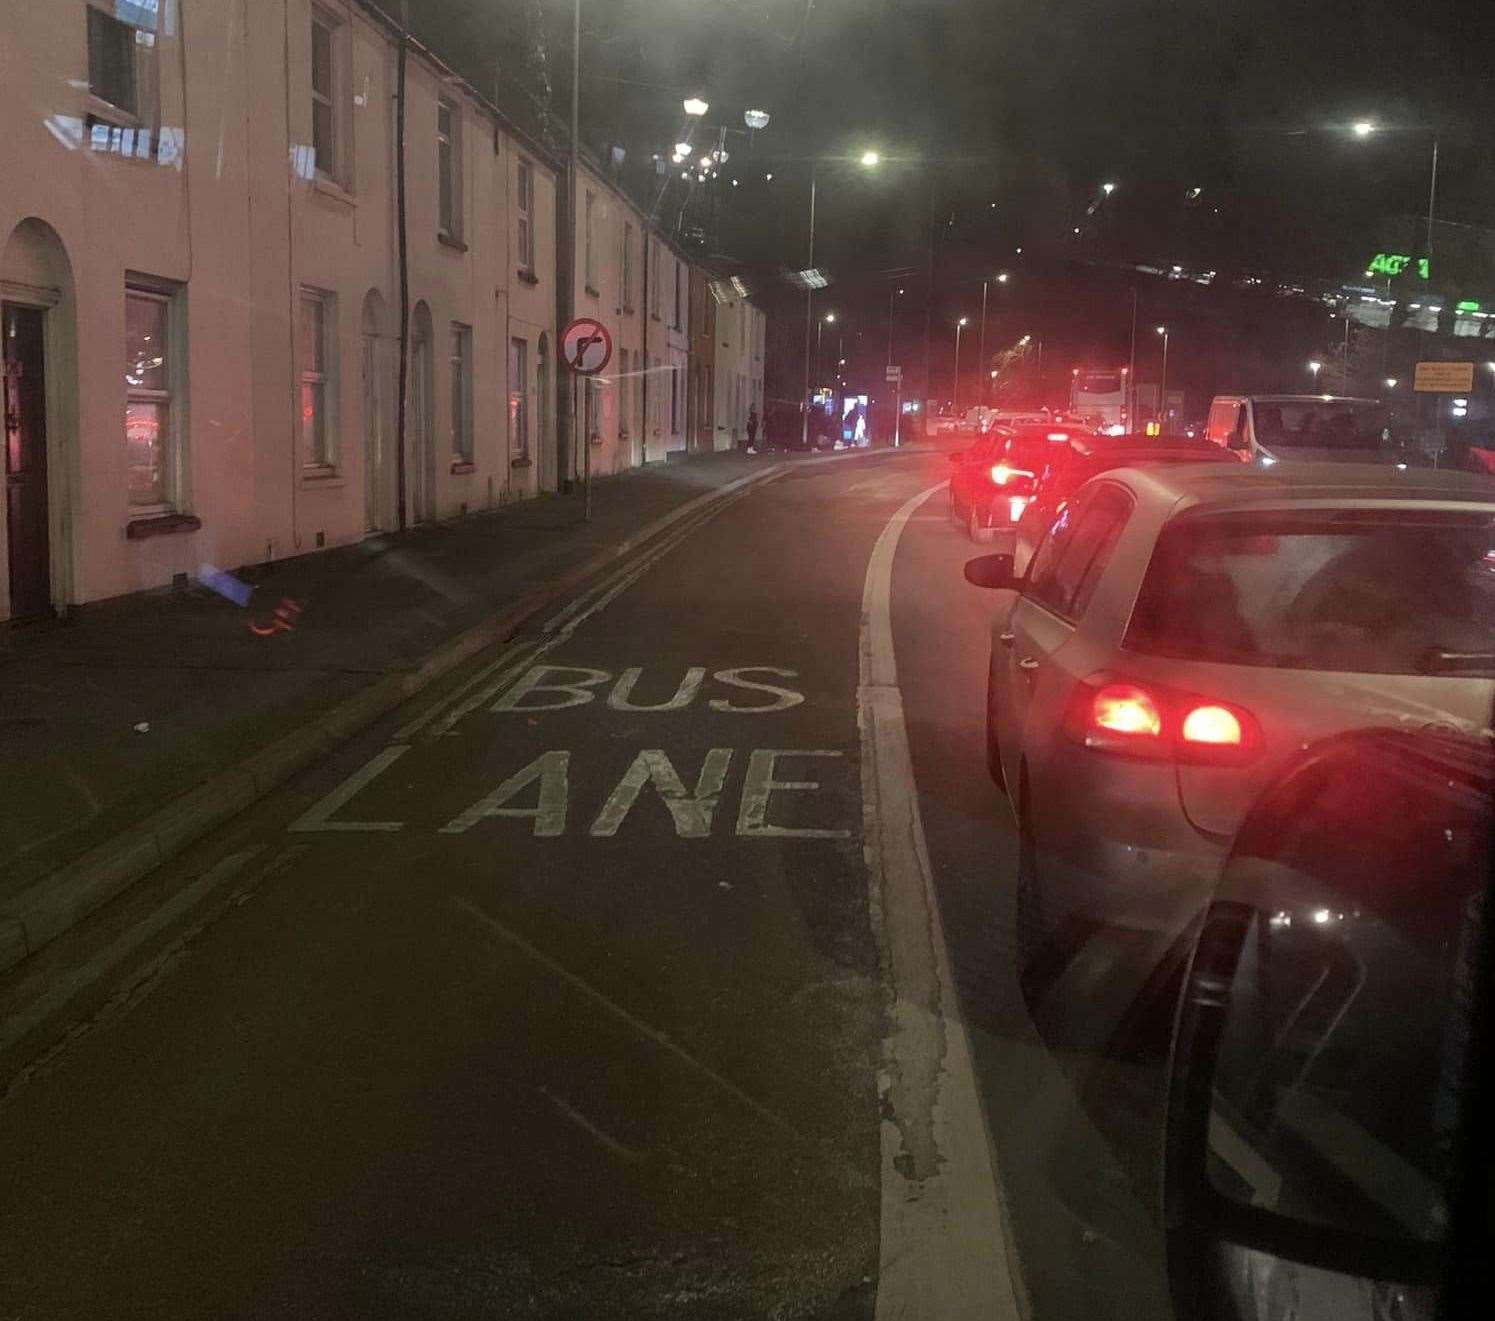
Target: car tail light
(1058,435)
(1002,473)
(1016,506)
(1112,714)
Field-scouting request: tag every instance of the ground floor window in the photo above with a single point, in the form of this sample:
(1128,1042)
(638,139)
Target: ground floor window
(151,363)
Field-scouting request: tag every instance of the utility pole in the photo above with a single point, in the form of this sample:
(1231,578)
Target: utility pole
(804,403)
(1130,394)
(571,196)
(981,351)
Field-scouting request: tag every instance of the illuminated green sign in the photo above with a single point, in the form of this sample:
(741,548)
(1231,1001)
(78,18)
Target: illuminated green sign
(1394,263)
(1466,306)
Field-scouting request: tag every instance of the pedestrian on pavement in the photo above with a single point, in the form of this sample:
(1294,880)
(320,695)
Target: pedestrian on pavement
(752,429)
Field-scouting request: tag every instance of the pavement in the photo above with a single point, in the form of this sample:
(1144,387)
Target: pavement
(131,705)
(655,961)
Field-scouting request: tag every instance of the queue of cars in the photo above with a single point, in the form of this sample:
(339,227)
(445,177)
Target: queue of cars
(1211,673)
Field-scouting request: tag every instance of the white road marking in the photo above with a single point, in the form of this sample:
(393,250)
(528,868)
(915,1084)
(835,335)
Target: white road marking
(787,697)
(512,659)
(752,818)
(587,1126)
(691,813)
(550,769)
(942,1250)
(621,696)
(617,1010)
(318,817)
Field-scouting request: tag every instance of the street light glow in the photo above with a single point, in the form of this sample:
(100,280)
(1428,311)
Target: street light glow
(1364,128)
(962,321)
(1391,382)
(871,159)
(1162,330)
(1002,278)
(755,118)
(1108,188)
(830,316)
(695,106)
(1315,367)
(682,149)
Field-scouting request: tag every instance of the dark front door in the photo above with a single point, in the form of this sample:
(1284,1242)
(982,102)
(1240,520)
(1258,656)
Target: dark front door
(21,341)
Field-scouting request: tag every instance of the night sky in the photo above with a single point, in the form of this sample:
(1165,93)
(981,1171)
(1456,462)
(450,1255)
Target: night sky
(1015,114)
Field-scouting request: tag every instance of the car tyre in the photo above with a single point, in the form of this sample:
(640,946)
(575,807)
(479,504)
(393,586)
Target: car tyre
(978,532)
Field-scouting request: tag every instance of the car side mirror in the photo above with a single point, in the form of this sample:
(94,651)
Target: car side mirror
(992,571)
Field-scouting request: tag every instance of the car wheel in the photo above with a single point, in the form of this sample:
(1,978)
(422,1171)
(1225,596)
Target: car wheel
(1032,932)
(953,507)
(993,746)
(978,531)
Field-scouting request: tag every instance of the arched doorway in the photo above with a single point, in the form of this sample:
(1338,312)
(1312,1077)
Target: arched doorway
(377,451)
(420,466)
(38,371)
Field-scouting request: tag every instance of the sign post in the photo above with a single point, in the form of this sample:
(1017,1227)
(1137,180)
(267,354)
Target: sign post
(586,348)
(895,377)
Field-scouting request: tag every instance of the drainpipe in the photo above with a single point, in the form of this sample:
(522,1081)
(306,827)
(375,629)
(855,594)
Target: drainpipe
(643,368)
(400,223)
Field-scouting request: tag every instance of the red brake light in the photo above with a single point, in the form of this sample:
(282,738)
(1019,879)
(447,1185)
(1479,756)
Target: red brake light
(1002,473)
(1110,714)
(1058,435)
(1123,709)
(1214,725)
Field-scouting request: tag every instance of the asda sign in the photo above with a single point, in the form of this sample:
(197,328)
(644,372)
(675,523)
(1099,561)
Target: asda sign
(1394,263)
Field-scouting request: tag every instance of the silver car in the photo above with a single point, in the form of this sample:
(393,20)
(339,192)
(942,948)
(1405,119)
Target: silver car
(1182,632)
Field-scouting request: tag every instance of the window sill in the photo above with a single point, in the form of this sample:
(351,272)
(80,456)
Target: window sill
(463,466)
(593,292)
(160,525)
(523,461)
(322,479)
(653,316)
(447,240)
(330,188)
(627,311)
(527,275)
(101,111)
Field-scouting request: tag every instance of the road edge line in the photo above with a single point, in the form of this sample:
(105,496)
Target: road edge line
(943,1240)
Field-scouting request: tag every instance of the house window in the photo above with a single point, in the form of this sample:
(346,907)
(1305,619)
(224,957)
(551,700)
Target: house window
(449,169)
(122,81)
(590,246)
(323,97)
(525,206)
(625,269)
(674,399)
(518,405)
(150,419)
(678,270)
(542,389)
(654,282)
(318,433)
(461,371)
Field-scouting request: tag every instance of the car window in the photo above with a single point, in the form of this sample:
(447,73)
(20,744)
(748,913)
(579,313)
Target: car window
(1382,593)
(1070,561)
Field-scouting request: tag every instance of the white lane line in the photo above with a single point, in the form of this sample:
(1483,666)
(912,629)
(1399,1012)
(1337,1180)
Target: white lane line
(606,1141)
(506,657)
(942,1248)
(617,1010)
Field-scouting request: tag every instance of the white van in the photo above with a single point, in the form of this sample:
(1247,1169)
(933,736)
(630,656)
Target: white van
(1323,427)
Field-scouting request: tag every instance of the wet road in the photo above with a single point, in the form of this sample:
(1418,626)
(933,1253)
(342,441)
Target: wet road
(566,992)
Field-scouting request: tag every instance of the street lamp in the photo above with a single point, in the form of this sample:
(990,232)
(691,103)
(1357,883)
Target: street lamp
(869,158)
(682,149)
(1315,368)
(695,107)
(1163,387)
(955,392)
(755,119)
(1391,382)
(1108,188)
(1363,128)
(1001,278)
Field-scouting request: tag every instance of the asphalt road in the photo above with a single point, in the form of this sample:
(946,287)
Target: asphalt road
(563,992)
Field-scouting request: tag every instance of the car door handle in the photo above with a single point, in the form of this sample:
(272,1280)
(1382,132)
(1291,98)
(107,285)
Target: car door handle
(1006,639)
(1027,663)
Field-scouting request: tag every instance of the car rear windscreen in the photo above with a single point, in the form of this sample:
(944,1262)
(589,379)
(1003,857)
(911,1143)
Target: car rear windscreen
(1380,593)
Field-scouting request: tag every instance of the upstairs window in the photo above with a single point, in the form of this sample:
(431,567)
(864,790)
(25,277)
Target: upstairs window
(449,169)
(524,206)
(324,142)
(112,73)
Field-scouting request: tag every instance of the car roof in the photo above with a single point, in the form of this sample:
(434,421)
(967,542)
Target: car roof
(1097,445)
(1192,485)
(1301,398)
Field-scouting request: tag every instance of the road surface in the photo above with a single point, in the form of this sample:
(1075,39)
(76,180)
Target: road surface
(599,983)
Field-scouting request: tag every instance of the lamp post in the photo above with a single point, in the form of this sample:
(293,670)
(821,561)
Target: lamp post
(955,389)
(868,160)
(1163,387)
(1000,279)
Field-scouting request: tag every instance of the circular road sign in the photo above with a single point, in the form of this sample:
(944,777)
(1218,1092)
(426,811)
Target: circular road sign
(587,346)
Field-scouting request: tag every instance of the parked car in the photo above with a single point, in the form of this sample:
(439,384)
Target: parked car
(1302,427)
(1183,631)
(1092,455)
(992,483)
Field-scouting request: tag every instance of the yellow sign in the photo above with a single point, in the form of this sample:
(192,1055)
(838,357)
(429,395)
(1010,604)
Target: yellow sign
(1444,377)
